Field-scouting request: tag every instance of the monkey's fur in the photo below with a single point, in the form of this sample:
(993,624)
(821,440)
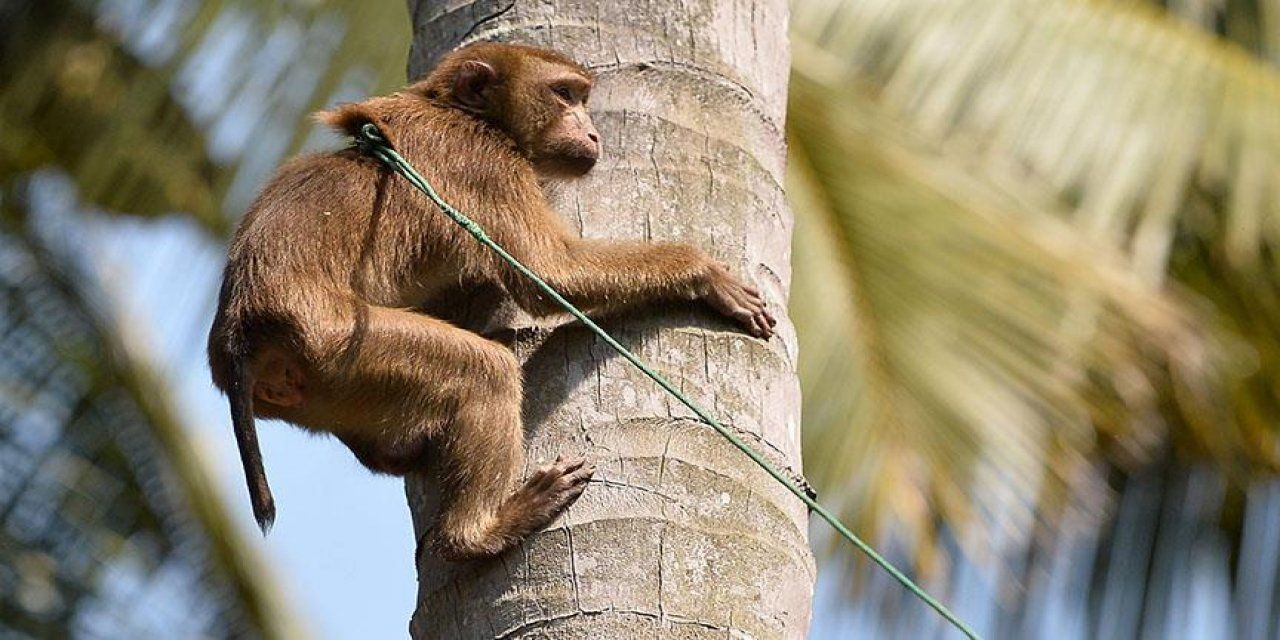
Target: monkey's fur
(314,323)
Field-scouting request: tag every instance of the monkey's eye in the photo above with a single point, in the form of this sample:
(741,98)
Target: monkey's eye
(563,92)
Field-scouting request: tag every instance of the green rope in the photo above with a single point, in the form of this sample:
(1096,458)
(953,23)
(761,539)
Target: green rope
(372,141)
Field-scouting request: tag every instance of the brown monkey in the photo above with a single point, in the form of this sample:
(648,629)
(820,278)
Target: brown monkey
(314,323)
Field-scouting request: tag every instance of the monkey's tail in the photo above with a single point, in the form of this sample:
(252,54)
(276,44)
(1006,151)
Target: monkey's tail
(241,396)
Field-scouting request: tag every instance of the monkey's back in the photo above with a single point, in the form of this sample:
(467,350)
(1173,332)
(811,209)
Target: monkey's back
(297,252)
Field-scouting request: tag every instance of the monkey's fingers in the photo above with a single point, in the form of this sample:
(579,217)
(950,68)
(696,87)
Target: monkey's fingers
(753,323)
(744,304)
(761,322)
(746,315)
(750,297)
(769,321)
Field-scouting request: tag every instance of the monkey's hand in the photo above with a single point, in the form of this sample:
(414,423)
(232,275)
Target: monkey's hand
(737,300)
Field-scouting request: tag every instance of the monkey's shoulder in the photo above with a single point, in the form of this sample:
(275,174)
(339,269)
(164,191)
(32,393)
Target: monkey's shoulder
(326,174)
(320,181)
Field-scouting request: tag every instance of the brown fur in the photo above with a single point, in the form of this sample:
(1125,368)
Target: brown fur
(313,323)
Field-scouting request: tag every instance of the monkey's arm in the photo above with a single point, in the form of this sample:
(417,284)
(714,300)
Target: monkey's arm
(607,276)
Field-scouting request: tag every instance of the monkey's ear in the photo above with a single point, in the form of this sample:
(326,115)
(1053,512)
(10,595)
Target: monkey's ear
(472,83)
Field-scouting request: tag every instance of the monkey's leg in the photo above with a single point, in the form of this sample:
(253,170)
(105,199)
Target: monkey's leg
(408,380)
(485,442)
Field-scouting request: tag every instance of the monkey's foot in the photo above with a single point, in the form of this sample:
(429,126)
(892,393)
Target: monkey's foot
(552,488)
(542,497)
(739,301)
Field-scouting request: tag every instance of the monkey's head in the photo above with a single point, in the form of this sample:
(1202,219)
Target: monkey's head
(537,96)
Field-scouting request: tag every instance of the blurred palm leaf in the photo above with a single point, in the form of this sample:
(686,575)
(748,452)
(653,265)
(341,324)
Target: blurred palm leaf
(73,97)
(1025,199)
(127,96)
(149,107)
(103,501)
(1254,24)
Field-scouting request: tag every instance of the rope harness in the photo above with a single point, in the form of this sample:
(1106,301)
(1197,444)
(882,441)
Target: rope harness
(371,141)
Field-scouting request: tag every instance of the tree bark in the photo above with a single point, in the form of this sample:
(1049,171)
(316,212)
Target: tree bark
(679,535)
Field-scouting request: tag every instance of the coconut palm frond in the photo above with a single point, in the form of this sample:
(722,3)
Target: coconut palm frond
(1120,113)
(76,98)
(140,108)
(1254,25)
(1036,206)
(960,354)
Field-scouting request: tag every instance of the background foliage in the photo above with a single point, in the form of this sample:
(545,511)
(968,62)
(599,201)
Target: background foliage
(1053,225)
(109,524)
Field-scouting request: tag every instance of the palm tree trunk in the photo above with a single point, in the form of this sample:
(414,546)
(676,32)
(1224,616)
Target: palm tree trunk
(679,535)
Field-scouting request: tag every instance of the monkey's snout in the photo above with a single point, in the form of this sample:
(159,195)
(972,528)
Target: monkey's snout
(582,164)
(584,156)
(589,148)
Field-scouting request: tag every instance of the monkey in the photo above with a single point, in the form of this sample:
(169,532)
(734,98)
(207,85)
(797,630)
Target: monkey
(320,319)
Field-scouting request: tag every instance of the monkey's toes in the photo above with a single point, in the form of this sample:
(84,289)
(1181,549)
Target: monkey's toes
(547,474)
(573,484)
(573,477)
(561,474)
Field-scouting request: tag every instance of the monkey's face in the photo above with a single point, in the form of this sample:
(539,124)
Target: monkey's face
(557,136)
(537,96)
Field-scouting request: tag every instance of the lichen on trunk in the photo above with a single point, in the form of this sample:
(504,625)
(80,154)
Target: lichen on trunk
(679,534)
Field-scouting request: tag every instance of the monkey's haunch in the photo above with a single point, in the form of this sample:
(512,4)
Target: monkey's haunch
(371,140)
